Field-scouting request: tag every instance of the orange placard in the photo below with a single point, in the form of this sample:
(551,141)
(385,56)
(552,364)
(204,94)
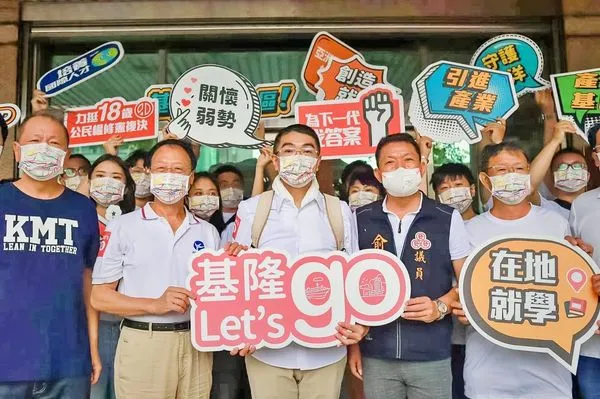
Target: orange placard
(531,294)
(344,79)
(322,47)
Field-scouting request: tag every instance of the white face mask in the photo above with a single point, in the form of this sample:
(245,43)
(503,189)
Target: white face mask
(511,188)
(72,182)
(458,198)
(169,188)
(204,206)
(571,180)
(142,184)
(402,182)
(361,198)
(232,197)
(41,161)
(106,190)
(297,170)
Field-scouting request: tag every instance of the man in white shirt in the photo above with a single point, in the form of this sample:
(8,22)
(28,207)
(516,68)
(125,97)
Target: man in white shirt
(585,224)
(140,274)
(490,370)
(298,223)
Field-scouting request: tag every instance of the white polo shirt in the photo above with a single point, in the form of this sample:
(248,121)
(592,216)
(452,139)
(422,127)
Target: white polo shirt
(142,251)
(297,231)
(585,223)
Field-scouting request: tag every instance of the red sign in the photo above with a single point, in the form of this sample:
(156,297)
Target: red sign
(262,298)
(351,128)
(344,79)
(132,120)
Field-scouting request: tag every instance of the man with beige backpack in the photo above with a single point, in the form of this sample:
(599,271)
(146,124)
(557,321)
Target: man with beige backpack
(297,218)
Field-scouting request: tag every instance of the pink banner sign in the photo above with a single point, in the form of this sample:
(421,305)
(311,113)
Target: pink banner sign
(265,298)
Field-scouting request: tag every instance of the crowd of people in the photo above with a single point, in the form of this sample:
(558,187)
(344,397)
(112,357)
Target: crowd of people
(94,262)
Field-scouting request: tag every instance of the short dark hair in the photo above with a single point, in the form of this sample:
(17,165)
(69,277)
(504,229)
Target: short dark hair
(350,169)
(51,113)
(297,128)
(592,133)
(490,151)
(136,156)
(367,178)
(4,129)
(127,204)
(567,150)
(228,168)
(396,138)
(81,157)
(174,143)
(217,218)
(452,171)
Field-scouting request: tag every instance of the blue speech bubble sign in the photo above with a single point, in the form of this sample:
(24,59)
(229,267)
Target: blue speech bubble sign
(459,97)
(516,54)
(80,69)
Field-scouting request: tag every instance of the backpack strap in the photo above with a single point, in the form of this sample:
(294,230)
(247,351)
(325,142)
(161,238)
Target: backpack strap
(260,217)
(333,207)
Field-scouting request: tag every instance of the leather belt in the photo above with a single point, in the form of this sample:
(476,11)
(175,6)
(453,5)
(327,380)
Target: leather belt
(142,325)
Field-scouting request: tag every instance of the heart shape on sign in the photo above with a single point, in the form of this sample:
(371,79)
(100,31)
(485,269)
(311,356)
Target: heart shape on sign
(187,89)
(194,80)
(185,102)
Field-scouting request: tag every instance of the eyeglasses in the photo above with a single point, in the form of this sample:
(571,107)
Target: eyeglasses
(565,166)
(290,150)
(505,169)
(72,172)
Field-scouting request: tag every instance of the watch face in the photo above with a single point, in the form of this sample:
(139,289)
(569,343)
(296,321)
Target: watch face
(442,307)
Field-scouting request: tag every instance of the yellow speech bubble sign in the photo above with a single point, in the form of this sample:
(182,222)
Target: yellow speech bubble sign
(531,294)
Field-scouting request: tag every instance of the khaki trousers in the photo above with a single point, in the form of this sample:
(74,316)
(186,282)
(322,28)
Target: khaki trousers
(161,365)
(269,382)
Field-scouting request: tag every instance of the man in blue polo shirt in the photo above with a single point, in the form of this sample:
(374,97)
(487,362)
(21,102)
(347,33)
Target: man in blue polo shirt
(49,243)
(410,357)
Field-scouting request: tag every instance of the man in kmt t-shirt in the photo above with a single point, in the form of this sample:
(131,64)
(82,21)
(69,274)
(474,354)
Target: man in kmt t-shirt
(49,243)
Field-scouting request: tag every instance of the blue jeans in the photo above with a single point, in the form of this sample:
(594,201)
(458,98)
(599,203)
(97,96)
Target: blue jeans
(458,364)
(108,337)
(588,377)
(66,388)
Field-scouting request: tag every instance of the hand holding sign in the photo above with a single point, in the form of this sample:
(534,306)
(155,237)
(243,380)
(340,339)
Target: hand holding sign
(531,294)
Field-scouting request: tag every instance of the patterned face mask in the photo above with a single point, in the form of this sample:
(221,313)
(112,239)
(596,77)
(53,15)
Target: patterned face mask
(297,170)
(41,161)
(511,188)
(169,188)
(204,206)
(458,198)
(232,197)
(361,198)
(142,184)
(571,180)
(106,190)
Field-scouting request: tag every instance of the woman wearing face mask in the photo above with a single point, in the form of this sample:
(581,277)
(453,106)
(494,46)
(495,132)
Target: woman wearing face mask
(112,189)
(204,201)
(141,177)
(454,185)
(363,189)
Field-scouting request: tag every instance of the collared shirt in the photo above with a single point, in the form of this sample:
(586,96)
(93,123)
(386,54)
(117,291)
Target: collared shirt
(585,223)
(297,231)
(141,250)
(458,239)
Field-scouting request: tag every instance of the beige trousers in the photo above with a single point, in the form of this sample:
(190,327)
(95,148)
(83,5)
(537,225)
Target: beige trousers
(269,382)
(161,365)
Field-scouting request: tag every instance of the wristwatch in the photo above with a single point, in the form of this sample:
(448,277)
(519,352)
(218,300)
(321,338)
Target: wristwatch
(442,308)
